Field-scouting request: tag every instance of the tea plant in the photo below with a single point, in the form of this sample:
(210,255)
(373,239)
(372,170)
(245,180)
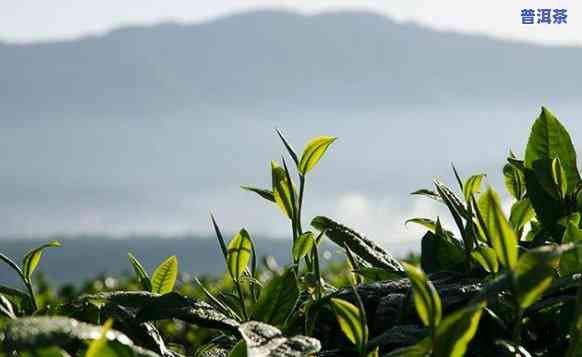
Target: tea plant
(496,284)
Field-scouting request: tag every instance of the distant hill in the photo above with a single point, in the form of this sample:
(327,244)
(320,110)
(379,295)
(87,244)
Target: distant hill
(274,60)
(145,129)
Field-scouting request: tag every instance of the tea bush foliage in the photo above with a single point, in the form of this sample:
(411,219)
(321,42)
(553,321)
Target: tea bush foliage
(497,283)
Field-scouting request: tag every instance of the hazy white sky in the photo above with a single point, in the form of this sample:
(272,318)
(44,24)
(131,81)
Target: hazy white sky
(41,20)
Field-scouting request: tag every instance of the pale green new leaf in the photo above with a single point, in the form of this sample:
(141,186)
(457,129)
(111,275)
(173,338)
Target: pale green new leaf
(426,299)
(303,245)
(514,181)
(559,177)
(98,347)
(420,349)
(456,331)
(141,274)
(502,236)
(32,258)
(165,275)
(349,319)
(239,252)
(313,152)
(472,185)
(282,190)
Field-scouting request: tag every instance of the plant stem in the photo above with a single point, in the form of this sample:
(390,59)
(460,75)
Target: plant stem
(242,300)
(31,293)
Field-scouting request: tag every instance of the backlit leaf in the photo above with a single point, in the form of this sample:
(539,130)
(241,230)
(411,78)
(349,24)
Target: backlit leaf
(349,320)
(303,245)
(283,190)
(313,152)
(165,275)
(472,185)
(487,258)
(32,258)
(502,236)
(535,272)
(426,299)
(456,331)
(571,261)
(277,300)
(239,252)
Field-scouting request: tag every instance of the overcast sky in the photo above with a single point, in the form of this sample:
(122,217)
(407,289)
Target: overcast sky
(34,20)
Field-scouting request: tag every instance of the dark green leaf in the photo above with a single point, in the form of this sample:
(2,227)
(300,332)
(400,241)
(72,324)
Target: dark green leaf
(277,300)
(288,147)
(427,193)
(486,258)
(358,244)
(548,140)
(141,274)
(472,186)
(37,332)
(441,252)
(571,261)
(266,194)
(176,306)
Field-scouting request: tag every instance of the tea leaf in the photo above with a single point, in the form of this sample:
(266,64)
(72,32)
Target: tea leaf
(303,245)
(535,272)
(277,300)
(349,320)
(486,257)
(313,152)
(266,194)
(32,258)
(283,190)
(165,276)
(441,252)
(472,185)
(36,332)
(571,261)
(502,236)
(140,272)
(288,147)
(422,348)
(548,140)
(239,254)
(521,213)
(456,331)
(358,244)
(176,306)
(219,236)
(98,346)
(426,299)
